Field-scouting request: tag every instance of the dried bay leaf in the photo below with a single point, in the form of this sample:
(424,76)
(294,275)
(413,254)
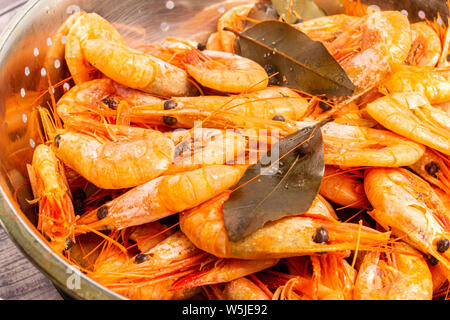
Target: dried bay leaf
(301,63)
(271,191)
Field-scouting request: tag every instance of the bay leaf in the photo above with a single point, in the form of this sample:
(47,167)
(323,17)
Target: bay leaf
(271,190)
(301,62)
(295,9)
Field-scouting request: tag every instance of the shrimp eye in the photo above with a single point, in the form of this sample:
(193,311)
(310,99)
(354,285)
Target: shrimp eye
(57,140)
(443,245)
(321,235)
(69,243)
(324,106)
(201,46)
(279,118)
(169,104)
(102,212)
(170,121)
(448,57)
(432,168)
(140,258)
(433,261)
(111,102)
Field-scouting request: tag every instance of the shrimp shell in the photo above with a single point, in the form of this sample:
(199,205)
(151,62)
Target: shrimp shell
(408,206)
(87,26)
(412,116)
(352,146)
(164,196)
(116,165)
(287,237)
(434,83)
(56,214)
(402,276)
(226,72)
(136,69)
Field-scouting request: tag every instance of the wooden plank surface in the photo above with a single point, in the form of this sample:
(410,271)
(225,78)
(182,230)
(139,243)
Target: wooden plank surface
(19,279)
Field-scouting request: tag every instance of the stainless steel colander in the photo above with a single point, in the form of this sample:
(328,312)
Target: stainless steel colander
(23,78)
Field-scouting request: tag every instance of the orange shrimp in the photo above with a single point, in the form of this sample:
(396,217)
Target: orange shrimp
(408,206)
(432,82)
(426,46)
(226,72)
(150,275)
(434,168)
(330,271)
(173,269)
(353,146)
(163,196)
(265,104)
(244,289)
(411,115)
(287,237)
(116,165)
(136,69)
(400,275)
(86,97)
(327,29)
(54,58)
(370,48)
(50,188)
(231,19)
(87,26)
(343,188)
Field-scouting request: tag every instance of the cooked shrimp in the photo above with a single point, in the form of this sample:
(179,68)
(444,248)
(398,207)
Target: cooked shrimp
(265,104)
(172,267)
(343,188)
(426,46)
(244,289)
(209,147)
(82,99)
(326,29)
(149,235)
(434,83)
(87,26)
(223,270)
(136,69)
(163,196)
(439,277)
(50,188)
(226,72)
(402,275)
(370,48)
(412,116)
(353,146)
(330,270)
(288,237)
(150,275)
(304,287)
(435,169)
(116,165)
(214,42)
(408,206)
(231,19)
(57,48)
(194,149)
